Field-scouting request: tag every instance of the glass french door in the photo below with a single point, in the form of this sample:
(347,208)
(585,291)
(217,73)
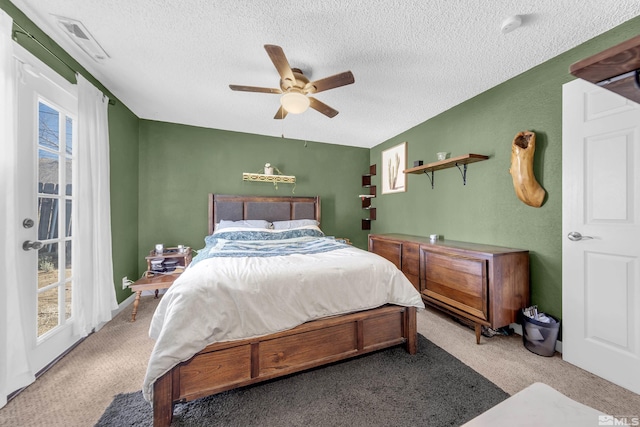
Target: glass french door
(47,129)
(54,209)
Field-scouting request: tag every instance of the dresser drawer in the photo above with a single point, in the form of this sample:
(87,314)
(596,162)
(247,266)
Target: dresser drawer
(458,281)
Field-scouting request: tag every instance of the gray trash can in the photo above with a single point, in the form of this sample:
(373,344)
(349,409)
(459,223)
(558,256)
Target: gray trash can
(540,337)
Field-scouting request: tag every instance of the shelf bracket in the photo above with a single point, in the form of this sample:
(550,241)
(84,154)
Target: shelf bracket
(464,174)
(431,177)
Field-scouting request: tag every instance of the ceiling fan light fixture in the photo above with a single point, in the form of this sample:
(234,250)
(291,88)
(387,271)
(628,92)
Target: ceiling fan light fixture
(294,102)
(294,87)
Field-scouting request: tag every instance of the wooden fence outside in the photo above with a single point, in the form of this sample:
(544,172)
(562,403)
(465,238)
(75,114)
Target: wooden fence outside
(48,210)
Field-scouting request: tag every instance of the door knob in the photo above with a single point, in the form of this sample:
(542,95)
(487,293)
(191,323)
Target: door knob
(28,245)
(575,236)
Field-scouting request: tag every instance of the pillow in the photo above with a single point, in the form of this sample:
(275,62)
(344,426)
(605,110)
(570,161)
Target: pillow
(294,223)
(247,223)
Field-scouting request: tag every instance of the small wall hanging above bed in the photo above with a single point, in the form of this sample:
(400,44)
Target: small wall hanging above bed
(268,176)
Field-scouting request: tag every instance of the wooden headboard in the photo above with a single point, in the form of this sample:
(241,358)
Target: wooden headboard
(270,208)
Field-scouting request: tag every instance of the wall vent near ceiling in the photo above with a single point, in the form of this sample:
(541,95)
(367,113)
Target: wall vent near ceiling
(75,30)
(82,37)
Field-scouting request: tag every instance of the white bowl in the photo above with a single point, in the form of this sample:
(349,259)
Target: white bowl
(442,155)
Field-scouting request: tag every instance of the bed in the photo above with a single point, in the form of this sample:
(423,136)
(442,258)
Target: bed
(235,318)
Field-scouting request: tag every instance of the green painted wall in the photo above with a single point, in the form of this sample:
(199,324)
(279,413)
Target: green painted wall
(123,140)
(161,173)
(487,210)
(124,160)
(180,165)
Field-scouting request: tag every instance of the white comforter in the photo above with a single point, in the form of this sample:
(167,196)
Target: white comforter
(225,299)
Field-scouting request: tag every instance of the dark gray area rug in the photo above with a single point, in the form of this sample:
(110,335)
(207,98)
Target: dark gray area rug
(386,388)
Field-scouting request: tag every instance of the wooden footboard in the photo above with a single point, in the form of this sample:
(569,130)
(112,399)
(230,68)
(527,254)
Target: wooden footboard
(225,366)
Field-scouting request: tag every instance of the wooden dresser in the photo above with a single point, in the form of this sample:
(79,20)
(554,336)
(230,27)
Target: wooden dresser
(486,285)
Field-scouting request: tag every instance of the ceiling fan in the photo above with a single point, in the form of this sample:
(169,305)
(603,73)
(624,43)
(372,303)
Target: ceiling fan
(295,87)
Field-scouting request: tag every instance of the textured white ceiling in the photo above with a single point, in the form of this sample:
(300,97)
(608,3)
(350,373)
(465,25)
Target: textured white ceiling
(173,60)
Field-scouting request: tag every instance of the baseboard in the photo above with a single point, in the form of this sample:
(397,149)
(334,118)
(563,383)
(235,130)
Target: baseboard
(124,304)
(517,328)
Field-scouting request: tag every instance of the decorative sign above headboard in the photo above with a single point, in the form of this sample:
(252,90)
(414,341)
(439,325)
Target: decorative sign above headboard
(260,177)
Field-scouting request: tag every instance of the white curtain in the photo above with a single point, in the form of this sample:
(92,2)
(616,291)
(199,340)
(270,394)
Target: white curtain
(95,294)
(15,371)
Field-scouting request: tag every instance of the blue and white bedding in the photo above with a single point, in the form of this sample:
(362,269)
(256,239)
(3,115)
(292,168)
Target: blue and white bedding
(249,283)
(265,243)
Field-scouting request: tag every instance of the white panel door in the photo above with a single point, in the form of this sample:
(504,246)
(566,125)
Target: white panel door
(601,203)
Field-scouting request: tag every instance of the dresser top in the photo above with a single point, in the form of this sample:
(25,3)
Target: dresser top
(443,243)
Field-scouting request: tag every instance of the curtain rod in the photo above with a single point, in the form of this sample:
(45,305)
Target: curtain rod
(32,37)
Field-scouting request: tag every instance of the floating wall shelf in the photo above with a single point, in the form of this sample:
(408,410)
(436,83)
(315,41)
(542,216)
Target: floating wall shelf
(616,69)
(464,160)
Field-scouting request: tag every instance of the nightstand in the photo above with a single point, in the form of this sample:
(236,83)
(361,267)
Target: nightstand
(171,258)
(160,275)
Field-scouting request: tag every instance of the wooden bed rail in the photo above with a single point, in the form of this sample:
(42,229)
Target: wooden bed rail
(225,366)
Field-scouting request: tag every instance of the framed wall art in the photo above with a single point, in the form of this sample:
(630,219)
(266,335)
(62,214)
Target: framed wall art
(394,162)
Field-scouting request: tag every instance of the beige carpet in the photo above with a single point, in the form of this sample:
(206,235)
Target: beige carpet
(508,364)
(76,391)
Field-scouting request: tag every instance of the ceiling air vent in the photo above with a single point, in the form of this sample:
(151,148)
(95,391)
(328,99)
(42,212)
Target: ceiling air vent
(82,37)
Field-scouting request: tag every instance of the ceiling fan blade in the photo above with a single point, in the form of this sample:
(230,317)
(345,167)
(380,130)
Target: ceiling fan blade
(331,82)
(280,61)
(281,114)
(322,107)
(254,89)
